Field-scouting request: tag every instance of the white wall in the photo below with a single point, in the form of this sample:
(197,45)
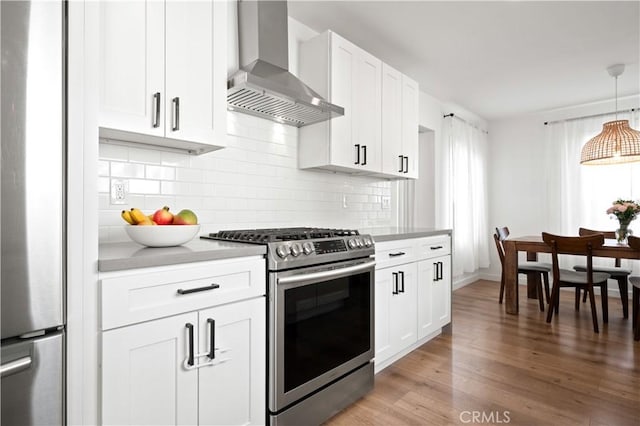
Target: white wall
(518,174)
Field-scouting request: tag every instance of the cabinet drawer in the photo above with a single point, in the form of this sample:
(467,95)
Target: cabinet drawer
(435,246)
(150,293)
(390,253)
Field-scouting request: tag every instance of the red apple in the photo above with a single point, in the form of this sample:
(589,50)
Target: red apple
(163,216)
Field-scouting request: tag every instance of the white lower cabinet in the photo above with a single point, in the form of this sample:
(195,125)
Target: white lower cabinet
(413,295)
(143,381)
(396,309)
(205,366)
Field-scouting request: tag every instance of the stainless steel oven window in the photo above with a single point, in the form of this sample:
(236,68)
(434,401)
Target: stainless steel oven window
(321,327)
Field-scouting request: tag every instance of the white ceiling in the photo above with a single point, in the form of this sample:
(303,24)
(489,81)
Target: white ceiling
(496,59)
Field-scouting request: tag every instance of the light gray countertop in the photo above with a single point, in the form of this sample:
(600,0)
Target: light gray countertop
(129,255)
(391,233)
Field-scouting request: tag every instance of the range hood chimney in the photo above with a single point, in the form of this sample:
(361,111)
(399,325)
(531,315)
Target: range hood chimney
(263,86)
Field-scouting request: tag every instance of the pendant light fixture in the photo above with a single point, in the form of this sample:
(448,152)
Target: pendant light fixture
(617,143)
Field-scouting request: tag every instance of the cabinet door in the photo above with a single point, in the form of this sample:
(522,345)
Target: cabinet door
(426,277)
(232,391)
(191,28)
(343,75)
(383,293)
(143,378)
(404,307)
(132,66)
(442,292)
(395,310)
(368,110)
(410,106)
(392,162)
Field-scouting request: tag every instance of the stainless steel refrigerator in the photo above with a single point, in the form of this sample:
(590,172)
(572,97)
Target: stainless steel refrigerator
(33,212)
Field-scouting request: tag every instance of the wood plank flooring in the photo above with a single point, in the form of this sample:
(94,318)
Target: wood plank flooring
(503,369)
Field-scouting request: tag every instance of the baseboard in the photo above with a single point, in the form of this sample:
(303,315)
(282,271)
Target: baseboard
(612,288)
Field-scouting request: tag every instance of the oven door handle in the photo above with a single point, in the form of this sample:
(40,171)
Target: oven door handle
(326,275)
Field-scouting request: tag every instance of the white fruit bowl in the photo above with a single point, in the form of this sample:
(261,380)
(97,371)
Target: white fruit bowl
(162,235)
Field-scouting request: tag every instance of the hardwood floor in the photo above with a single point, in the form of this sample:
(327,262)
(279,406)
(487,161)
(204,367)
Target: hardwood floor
(506,369)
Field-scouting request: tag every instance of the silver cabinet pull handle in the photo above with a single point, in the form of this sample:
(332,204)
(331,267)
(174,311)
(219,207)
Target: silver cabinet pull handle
(435,247)
(156,108)
(16,366)
(401,163)
(176,114)
(357,153)
(406,164)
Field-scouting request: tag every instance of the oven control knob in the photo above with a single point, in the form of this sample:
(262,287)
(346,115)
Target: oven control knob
(296,250)
(368,242)
(308,248)
(352,243)
(282,251)
(359,243)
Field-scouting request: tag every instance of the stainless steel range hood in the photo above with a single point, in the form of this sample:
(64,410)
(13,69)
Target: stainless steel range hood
(263,86)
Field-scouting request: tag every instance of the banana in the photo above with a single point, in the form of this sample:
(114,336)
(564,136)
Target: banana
(137,216)
(126,215)
(146,222)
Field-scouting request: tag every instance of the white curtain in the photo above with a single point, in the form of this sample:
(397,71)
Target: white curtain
(579,195)
(463,162)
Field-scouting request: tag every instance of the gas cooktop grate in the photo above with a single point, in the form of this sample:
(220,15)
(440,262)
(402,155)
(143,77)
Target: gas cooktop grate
(261,236)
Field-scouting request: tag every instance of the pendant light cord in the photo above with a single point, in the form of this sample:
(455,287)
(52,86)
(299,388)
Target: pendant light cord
(616,88)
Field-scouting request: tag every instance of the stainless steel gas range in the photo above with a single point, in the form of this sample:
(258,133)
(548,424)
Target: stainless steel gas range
(320,320)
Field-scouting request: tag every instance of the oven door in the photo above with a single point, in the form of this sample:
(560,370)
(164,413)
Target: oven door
(321,327)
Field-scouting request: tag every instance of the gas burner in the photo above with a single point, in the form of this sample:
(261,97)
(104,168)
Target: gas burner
(261,236)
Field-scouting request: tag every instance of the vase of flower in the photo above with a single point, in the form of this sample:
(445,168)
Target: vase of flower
(625,211)
(623,232)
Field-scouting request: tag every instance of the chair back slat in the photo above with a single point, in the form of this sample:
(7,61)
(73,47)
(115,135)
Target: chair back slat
(611,235)
(499,248)
(634,242)
(503,233)
(583,232)
(582,246)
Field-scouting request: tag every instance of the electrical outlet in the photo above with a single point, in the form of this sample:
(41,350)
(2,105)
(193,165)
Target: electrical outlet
(119,191)
(386,202)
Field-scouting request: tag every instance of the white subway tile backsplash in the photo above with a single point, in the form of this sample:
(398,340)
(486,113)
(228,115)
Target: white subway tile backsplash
(104,184)
(143,186)
(127,170)
(160,172)
(254,182)
(189,175)
(109,151)
(141,155)
(103,168)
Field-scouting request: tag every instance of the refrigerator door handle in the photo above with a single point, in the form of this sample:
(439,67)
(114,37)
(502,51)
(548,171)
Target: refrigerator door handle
(15,366)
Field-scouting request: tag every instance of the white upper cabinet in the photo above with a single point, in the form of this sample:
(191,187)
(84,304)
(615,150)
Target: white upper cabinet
(163,73)
(410,115)
(349,77)
(400,103)
(392,156)
(378,134)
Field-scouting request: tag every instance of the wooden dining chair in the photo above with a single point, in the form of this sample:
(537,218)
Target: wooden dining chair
(617,273)
(523,268)
(634,243)
(582,246)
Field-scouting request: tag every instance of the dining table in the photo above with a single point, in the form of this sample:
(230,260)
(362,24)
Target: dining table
(532,245)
